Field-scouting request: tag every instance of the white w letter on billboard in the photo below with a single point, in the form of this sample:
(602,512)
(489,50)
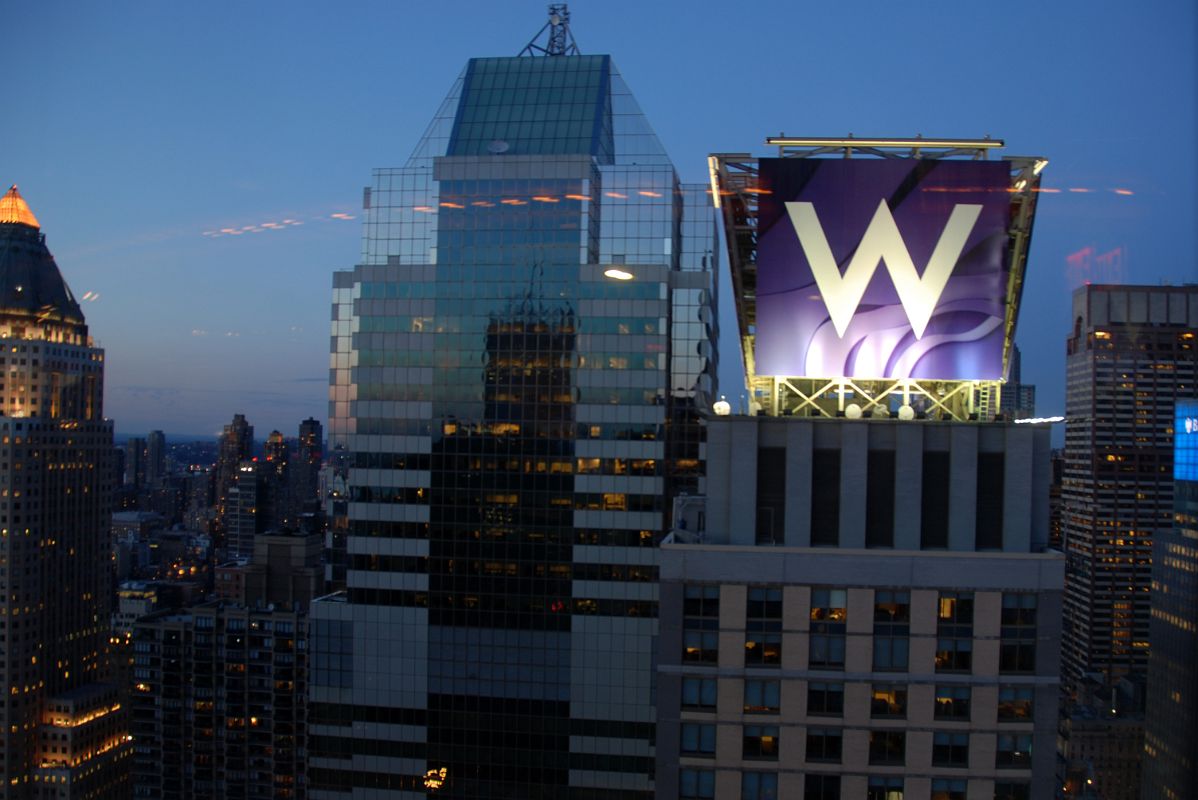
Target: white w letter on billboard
(882,242)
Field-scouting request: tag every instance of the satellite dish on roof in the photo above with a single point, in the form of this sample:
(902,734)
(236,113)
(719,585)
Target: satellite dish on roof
(498,146)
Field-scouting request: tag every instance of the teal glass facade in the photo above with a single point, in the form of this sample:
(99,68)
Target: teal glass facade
(513,423)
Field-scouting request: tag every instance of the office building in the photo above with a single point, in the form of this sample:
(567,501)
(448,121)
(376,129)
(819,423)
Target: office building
(515,371)
(1171,727)
(62,733)
(284,571)
(1130,357)
(866,609)
(859,604)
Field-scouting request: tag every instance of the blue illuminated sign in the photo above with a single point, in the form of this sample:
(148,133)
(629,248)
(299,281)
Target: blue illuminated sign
(1185,441)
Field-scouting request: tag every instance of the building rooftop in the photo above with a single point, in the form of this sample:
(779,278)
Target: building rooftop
(31,287)
(14,209)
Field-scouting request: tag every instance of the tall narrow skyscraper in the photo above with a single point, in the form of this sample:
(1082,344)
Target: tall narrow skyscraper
(236,445)
(515,369)
(61,729)
(155,459)
(1131,356)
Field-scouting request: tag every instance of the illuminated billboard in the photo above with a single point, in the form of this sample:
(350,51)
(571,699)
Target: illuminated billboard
(1185,441)
(891,268)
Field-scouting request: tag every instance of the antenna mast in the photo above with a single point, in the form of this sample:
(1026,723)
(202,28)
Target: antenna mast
(559,41)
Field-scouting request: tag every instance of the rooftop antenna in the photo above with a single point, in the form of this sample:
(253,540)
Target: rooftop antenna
(559,42)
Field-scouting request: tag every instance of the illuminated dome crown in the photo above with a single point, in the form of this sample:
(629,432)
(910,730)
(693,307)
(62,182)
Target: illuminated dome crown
(32,290)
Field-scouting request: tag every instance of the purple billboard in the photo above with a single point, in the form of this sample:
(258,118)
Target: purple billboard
(892,268)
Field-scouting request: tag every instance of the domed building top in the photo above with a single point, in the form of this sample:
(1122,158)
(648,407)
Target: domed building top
(35,301)
(13,208)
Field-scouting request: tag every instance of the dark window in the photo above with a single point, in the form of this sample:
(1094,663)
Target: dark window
(892,608)
(696,784)
(890,653)
(698,692)
(933,516)
(700,624)
(1014,750)
(825,497)
(948,789)
(1015,703)
(988,508)
(761,741)
(828,618)
(1006,790)
(698,740)
(759,786)
(879,499)
(771,495)
(892,624)
(763,624)
(887,747)
(1017,652)
(954,655)
(888,701)
(950,749)
(885,789)
(952,702)
(824,744)
(825,699)
(762,696)
(821,787)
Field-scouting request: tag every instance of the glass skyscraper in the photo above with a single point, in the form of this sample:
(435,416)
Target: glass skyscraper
(518,366)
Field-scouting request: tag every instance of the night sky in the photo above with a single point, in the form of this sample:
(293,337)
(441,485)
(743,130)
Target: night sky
(137,131)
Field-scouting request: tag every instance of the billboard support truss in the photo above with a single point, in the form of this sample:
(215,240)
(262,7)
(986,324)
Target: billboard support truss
(735,188)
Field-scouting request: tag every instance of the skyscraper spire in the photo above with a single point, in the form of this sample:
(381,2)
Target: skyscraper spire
(14,209)
(558,41)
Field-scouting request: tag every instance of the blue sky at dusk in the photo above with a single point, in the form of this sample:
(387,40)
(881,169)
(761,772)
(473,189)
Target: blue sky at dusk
(137,129)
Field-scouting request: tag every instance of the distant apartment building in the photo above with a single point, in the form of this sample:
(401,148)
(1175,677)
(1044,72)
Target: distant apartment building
(1130,357)
(218,703)
(219,689)
(866,612)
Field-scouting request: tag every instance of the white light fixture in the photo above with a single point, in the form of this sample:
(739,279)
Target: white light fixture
(1040,165)
(1039,420)
(713,172)
(721,407)
(905,412)
(852,411)
(617,274)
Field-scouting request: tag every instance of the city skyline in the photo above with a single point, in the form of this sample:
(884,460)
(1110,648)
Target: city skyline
(186,122)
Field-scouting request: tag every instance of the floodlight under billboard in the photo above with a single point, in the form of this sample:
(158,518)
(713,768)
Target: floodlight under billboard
(891,268)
